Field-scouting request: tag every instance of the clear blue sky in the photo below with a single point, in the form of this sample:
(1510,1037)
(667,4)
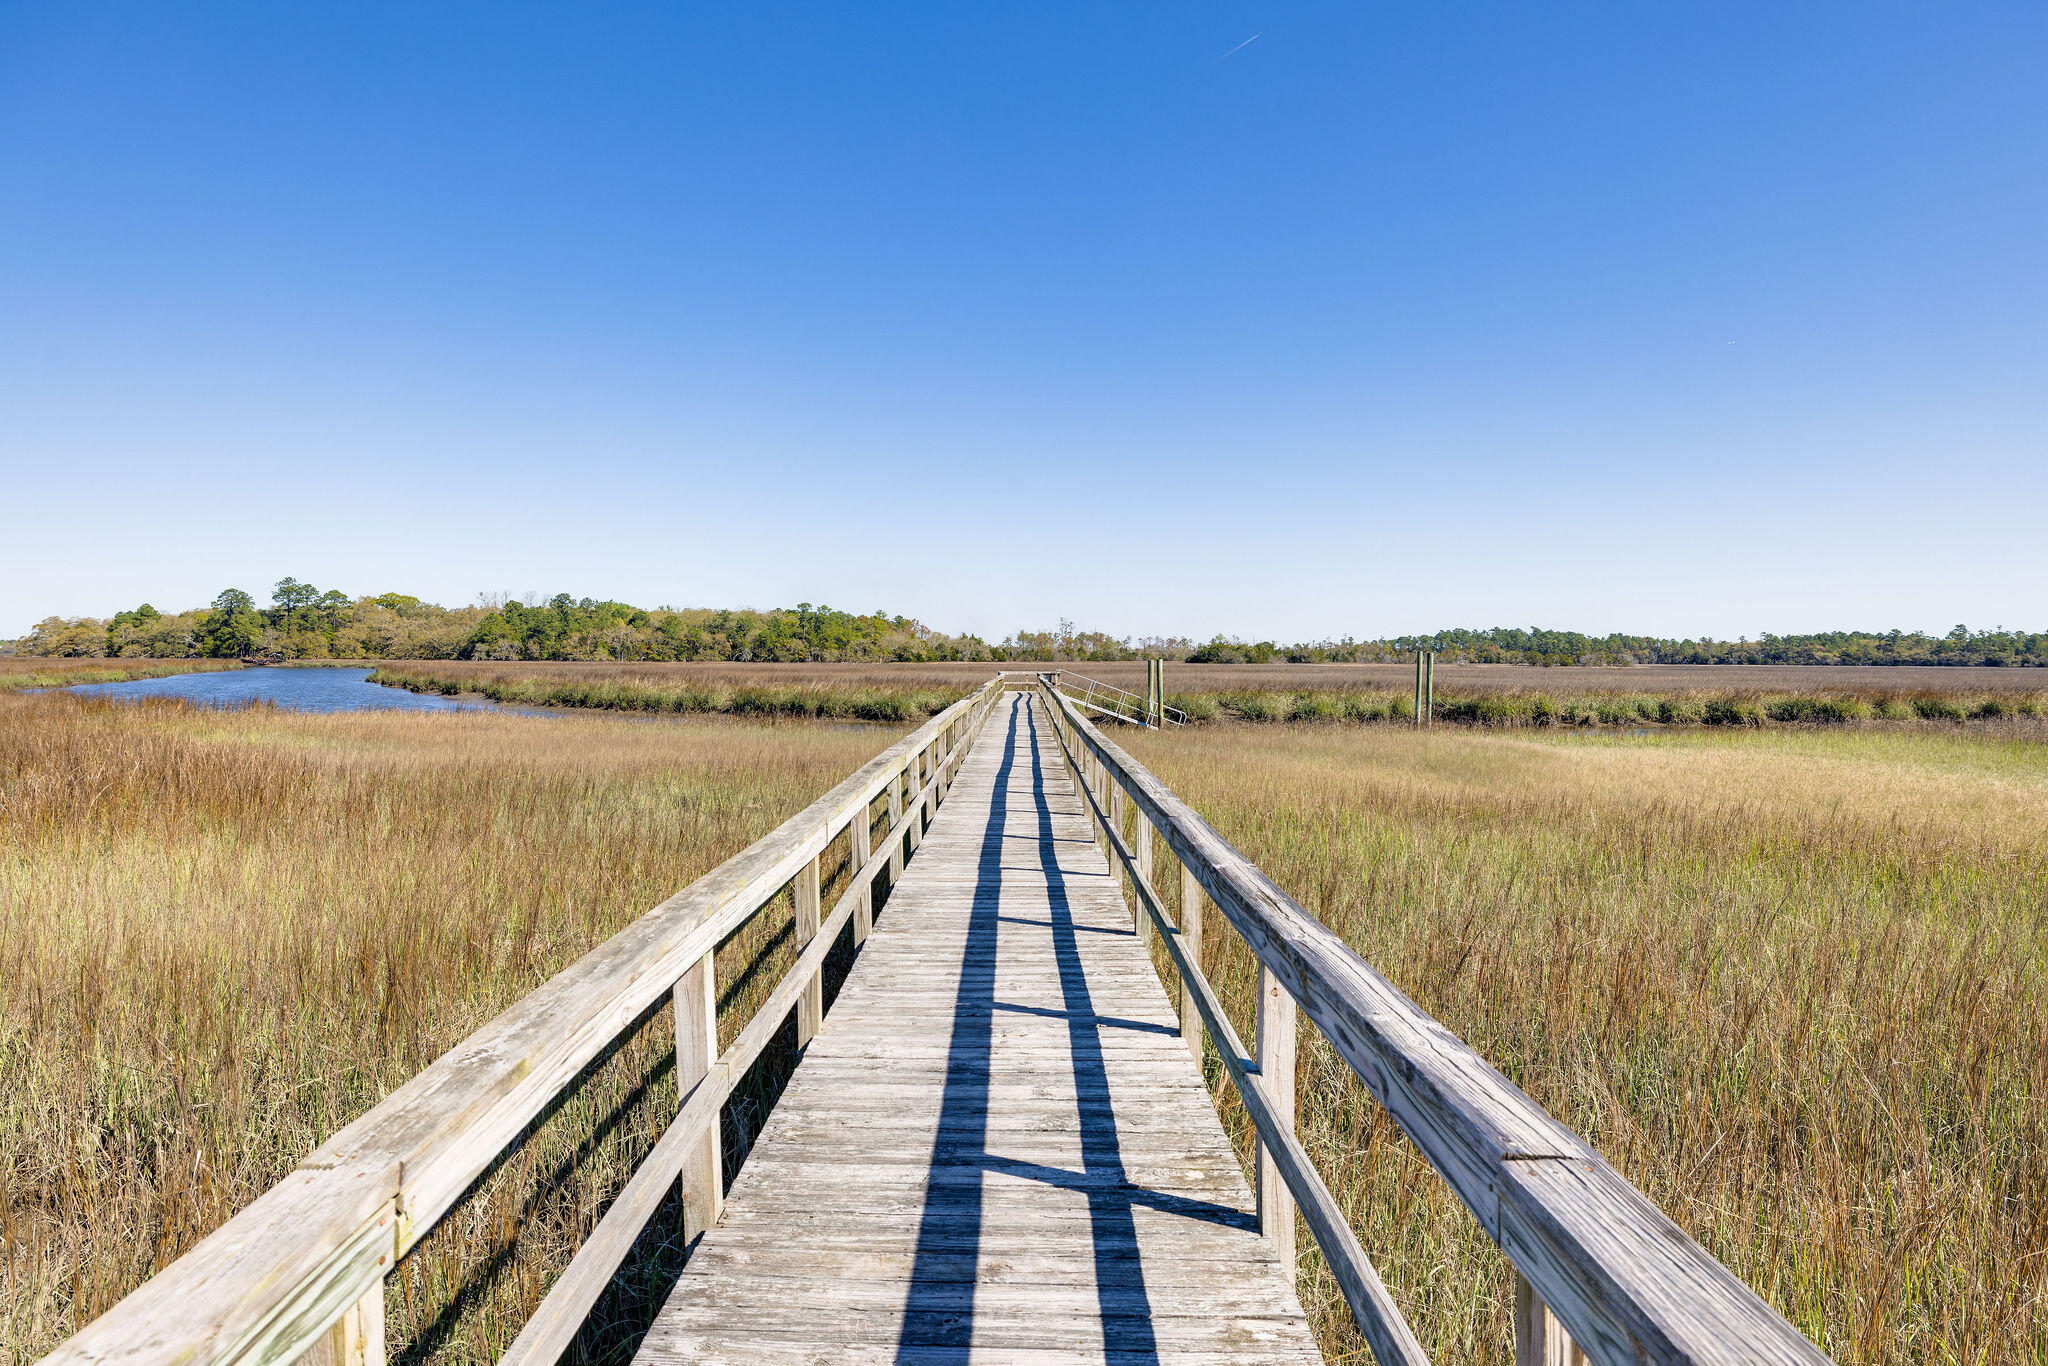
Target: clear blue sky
(1275,320)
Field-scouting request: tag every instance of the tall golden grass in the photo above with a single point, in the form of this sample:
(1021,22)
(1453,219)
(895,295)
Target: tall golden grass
(31,671)
(1792,983)
(1484,695)
(224,935)
(665,689)
(1460,679)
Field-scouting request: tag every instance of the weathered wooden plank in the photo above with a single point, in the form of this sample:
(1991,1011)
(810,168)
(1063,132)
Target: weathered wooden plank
(810,1011)
(1191,939)
(703,1173)
(1276,1045)
(861,841)
(997,1141)
(1540,1338)
(357,1337)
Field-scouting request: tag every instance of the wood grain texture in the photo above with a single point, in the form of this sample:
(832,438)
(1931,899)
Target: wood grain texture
(1627,1283)
(1277,1041)
(1191,936)
(702,1178)
(811,1008)
(996,1148)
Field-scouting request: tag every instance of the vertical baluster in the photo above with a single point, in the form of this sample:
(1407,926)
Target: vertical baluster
(1115,807)
(1276,1079)
(896,830)
(1191,940)
(1142,833)
(702,1179)
(913,808)
(810,1010)
(1102,805)
(357,1337)
(1540,1339)
(860,848)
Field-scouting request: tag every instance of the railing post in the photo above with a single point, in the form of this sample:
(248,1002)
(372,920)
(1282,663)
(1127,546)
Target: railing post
(1142,833)
(1276,1079)
(810,1011)
(895,830)
(860,847)
(1191,1027)
(702,1179)
(357,1337)
(1115,807)
(1540,1339)
(913,809)
(1102,805)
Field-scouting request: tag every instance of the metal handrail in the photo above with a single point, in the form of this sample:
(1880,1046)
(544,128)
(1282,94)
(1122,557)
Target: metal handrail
(1172,716)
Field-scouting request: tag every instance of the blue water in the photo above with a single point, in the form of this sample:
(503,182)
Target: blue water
(294,689)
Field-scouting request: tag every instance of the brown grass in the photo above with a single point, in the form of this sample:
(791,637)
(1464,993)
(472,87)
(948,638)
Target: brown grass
(1484,695)
(1213,678)
(1792,983)
(28,671)
(224,935)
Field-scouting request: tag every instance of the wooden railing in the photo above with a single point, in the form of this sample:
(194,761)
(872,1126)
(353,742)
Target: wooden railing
(301,1270)
(1601,1272)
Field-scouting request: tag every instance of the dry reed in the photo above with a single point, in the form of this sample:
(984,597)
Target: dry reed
(1792,983)
(37,671)
(224,935)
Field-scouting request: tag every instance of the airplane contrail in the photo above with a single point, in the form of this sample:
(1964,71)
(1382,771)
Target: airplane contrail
(1242,46)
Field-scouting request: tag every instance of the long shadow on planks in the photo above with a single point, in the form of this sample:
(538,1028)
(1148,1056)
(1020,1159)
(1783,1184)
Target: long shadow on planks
(938,1321)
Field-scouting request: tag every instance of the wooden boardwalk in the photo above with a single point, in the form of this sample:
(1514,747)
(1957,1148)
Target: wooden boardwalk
(997,1148)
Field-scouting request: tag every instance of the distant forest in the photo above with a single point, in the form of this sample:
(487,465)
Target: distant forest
(303,622)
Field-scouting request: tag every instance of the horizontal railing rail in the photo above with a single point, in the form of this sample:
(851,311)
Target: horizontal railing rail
(1601,1271)
(302,1268)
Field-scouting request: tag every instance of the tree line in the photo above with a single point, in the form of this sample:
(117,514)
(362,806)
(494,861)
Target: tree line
(304,622)
(1516,645)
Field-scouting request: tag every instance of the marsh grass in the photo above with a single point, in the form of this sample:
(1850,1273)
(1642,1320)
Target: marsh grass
(1509,709)
(223,935)
(676,694)
(1493,696)
(1792,983)
(30,671)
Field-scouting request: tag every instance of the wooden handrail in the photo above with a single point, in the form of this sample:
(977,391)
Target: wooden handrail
(1621,1278)
(268,1284)
(1378,1317)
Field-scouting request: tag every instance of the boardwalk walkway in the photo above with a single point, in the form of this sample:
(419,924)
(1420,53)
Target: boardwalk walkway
(997,1148)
